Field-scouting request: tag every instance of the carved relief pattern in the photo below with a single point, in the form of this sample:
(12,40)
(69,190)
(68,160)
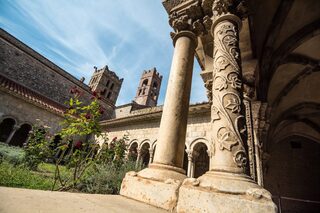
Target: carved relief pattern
(226,111)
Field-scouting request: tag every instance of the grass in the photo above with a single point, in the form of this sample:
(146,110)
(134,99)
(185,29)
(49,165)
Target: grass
(22,177)
(12,154)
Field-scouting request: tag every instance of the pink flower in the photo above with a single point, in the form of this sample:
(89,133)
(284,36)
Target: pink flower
(78,144)
(88,115)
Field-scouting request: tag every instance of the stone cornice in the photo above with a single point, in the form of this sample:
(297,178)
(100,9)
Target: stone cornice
(153,113)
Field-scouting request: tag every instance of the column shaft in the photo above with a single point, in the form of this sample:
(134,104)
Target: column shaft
(227,112)
(172,133)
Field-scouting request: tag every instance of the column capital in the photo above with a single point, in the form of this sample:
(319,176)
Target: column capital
(188,15)
(232,10)
(184,33)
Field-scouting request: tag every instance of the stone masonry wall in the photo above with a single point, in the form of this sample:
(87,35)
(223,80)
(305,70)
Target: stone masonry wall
(25,66)
(25,112)
(147,130)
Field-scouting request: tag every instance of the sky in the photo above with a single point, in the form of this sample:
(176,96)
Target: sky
(127,35)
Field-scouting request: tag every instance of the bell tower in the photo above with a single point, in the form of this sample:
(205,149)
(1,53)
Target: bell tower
(149,88)
(106,83)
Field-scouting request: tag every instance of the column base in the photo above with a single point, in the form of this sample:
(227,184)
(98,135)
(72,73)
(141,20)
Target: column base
(157,185)
(224,192)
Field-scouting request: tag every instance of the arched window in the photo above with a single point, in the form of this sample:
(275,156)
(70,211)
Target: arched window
(103,92)
(155,85)
(6,128)
(109,95)
(21,135)
(112,86)
(145,82)
(145,155)
(108,82)
(133,153)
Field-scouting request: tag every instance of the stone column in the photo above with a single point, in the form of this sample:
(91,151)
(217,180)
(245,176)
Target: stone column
(190,162)
(151,151)
(138,158)
(227,181)
(172,132)
(14,129)
(159,183)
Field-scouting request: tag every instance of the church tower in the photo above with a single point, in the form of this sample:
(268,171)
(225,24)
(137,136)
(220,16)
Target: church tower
(106,83)
(149,88)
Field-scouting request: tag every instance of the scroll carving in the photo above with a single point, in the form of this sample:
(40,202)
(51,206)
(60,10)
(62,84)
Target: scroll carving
(228,122)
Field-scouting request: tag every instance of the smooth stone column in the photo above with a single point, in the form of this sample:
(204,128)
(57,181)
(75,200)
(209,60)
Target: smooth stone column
(151,152)
(14,129)
(159,184)
(172,132)
(190,159)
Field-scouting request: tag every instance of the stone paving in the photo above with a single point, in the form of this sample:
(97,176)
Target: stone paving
(15,200)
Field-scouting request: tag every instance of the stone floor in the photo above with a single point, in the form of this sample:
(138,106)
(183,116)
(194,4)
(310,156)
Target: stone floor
(14,200)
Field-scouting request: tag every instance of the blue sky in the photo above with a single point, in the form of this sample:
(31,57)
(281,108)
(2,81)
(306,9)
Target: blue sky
(127,35)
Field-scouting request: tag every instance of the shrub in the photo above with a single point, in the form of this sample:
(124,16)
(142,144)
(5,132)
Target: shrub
(38,148)
(12,154)
(106,178)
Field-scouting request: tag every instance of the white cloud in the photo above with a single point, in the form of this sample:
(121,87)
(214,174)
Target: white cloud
(129,36)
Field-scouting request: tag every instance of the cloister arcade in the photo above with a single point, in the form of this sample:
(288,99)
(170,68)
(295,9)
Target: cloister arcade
(13,131)
(196,158)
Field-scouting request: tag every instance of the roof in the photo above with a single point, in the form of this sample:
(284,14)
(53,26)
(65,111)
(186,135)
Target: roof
(30,95)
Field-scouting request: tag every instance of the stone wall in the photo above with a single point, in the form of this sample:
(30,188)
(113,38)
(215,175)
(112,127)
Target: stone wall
(143,125)
(25,112)
(27,67)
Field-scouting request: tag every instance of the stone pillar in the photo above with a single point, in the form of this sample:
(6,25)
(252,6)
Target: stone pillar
(227,181)
(172,132)
(151,151)
(158,184)
(138,158)
(190,163)
(14,129)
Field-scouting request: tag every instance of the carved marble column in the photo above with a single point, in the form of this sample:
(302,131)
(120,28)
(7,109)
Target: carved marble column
(227,187)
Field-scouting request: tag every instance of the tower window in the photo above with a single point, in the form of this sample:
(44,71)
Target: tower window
(103,92)
(140,92)
(109,95)
(112,86)
(155,85)
(145,82)
(107,83)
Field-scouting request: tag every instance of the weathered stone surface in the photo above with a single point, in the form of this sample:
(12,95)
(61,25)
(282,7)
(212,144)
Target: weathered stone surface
(163,194)
(200,199)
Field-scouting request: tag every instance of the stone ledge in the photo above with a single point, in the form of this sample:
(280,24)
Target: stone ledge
(198,199)
(153,192)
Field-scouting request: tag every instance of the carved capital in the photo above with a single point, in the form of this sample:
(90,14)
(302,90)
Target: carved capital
(233,10)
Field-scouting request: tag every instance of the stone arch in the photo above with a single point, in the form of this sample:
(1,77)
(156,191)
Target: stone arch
(7,126)
(21,135)
(133,150)
(199,140)
(144,151)
(201,159)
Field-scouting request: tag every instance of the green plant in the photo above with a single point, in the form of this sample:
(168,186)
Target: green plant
(22,177)
(106,178)
(12,154)
(38,147)
(80,121)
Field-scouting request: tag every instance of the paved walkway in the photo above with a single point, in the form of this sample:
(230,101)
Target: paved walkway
(14,200)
